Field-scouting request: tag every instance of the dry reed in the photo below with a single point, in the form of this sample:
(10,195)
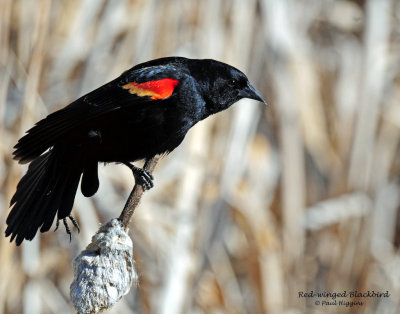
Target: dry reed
(258,203)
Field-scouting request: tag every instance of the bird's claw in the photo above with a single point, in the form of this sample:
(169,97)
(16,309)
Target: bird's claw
(142,176)
(67,229)
(75,223)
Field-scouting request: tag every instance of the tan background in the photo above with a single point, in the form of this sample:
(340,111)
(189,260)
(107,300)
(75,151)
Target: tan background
(259,202)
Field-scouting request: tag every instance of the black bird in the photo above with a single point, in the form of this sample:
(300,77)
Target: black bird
(144,112)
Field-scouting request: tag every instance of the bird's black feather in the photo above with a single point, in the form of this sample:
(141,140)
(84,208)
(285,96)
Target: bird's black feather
(144,112)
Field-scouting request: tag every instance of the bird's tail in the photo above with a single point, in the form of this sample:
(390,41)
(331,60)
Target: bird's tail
(48,188)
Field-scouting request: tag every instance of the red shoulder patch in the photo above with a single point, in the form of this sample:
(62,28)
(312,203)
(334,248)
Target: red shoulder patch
(159,89)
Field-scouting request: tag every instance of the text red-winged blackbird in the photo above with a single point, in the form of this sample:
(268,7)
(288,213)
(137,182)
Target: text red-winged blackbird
(144,112)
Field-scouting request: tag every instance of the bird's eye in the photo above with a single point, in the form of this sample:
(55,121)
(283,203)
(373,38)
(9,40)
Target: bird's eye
(232,82)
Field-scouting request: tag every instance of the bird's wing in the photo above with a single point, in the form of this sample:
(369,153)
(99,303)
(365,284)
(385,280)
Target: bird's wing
(151,84)
(133,87)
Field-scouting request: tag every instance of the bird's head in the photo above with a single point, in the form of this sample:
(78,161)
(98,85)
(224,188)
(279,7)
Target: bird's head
(222,85)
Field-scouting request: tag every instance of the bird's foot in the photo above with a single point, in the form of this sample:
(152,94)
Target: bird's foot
(142,176)
(67,229)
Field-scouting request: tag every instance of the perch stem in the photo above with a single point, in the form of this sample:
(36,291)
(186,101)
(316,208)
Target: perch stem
(136,194)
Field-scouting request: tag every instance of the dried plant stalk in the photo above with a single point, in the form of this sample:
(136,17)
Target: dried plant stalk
(136,194)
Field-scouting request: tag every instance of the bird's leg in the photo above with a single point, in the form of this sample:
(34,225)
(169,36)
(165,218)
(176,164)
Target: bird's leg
(67,229)
(142,177)
(57,225)
(74,222)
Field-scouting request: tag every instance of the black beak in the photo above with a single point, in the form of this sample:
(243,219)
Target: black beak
(250,92)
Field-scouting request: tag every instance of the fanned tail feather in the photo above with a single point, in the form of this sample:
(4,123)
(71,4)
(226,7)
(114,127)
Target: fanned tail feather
(48,188)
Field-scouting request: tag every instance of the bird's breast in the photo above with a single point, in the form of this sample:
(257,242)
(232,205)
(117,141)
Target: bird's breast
(137,135)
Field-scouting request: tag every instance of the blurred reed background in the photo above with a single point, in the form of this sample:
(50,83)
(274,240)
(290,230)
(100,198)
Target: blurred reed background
(259,202)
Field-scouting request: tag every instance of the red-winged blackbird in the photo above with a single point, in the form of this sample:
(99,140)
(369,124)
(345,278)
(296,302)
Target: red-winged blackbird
(144,112)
